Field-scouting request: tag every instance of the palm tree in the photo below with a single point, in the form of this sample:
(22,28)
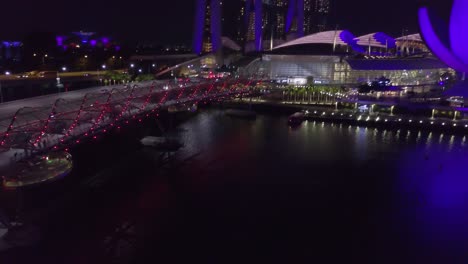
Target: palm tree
(308,93)
(303,91)
(288,93)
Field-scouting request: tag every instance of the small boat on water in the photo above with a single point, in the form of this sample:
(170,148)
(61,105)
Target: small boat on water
(248,114)
(296,119)
(162,143)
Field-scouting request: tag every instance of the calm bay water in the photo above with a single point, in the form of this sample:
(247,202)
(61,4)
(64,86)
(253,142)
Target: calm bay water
(259,191)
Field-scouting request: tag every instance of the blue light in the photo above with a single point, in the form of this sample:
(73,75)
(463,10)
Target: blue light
(448,43)
(295,12)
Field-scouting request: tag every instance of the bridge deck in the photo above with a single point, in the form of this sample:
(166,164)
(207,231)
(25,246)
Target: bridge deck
(57,121)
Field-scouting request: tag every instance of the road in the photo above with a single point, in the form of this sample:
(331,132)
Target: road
(14,77)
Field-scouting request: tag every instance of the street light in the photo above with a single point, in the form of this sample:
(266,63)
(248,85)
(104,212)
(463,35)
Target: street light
(7,73)
(132,65)
(103,67)
(1,93)
(64,69)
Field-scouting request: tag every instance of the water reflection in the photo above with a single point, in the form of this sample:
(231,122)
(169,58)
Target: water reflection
(375,196)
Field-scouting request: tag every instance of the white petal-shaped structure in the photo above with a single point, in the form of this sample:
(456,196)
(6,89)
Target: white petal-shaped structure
(458,30)
(435,42)
(336,37)
(377,39)
(229,43)
(413,37)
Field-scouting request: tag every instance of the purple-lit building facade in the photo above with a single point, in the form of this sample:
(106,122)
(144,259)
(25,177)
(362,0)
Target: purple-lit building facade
(10,50)
(207,34)
(295,19)
(85,51)
(86,40)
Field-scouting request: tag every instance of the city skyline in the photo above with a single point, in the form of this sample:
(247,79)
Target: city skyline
(148,20)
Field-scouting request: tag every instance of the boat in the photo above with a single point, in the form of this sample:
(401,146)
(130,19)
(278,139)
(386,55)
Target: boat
(248,114)
(296,119)
(162,143)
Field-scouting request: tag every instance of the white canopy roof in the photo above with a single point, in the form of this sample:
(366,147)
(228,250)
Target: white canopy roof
(413,37)
(227,42)
(369,40)
(326,37)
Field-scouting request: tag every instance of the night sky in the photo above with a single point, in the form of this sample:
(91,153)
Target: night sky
(171,21)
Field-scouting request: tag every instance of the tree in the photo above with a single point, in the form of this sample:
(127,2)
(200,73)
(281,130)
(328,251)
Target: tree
(116,76)
(144,77)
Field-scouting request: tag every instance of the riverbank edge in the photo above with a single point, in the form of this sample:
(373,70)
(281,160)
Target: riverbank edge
(329,114)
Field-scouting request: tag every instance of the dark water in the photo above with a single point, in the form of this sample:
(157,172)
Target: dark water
(261,192)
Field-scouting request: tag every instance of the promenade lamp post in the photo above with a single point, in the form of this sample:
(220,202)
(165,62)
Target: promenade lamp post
(98,72)
(44,58)
(1,90)
(151,67)
(1,93)
(85,62)
(59,85)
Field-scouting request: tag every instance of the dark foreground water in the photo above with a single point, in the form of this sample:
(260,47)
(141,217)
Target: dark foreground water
(260,192)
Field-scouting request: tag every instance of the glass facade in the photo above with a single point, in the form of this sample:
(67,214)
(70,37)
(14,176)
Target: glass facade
(337,70)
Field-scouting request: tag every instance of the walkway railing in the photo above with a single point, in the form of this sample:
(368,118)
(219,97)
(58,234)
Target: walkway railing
(68,121)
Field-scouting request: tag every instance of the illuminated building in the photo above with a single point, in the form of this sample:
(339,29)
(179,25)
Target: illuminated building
(295,19)
(321,14)
(207,37)
(308,21)
(86,41)
(10,50)
(254,25)
(339,58)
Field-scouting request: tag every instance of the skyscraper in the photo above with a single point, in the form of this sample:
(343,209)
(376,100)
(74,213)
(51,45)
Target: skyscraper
(275,21)
(207,37)
(254,18)
(295,19)
(321,13)
(308,15)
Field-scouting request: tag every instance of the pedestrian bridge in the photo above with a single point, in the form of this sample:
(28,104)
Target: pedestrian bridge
(70,119)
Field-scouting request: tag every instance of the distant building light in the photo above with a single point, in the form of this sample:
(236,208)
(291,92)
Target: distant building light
(7,73)
(64,68)
(103,66)
(86,56)
(132,65)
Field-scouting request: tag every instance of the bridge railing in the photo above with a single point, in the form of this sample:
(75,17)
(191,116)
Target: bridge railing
(67,120)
